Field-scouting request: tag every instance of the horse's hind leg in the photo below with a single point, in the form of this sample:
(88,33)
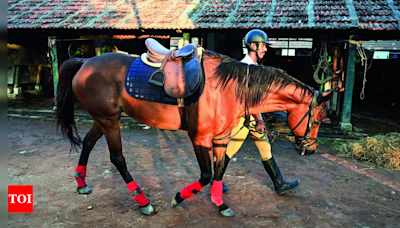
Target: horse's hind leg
(88,143)
(111,129)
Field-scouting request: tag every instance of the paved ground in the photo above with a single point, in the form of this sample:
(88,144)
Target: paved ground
(334,191)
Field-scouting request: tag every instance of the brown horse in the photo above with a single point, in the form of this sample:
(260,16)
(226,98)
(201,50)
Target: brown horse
(99,85)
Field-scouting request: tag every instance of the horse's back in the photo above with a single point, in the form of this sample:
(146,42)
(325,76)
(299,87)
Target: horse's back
(108,67)
(100,87)
(98,83)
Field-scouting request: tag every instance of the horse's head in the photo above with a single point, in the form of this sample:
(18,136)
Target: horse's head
(304,120)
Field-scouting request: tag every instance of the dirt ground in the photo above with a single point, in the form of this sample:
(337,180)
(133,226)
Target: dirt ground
(334,191)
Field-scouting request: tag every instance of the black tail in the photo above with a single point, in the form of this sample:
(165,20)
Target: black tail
(65,100)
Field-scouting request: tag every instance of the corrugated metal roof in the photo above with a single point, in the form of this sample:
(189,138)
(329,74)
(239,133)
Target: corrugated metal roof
(382,45)
(204,14)
(300,43)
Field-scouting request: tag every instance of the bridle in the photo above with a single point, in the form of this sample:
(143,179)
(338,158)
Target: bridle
(310,113)
(306,138)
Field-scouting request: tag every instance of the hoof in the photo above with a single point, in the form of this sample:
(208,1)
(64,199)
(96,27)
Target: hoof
(310,152)
(84,190)
(174,202)
(147,210)
(227,212)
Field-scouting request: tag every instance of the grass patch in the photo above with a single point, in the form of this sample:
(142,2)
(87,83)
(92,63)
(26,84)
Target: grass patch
(382,150)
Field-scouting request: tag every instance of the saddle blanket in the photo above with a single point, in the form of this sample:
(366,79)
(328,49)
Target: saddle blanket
(137,85)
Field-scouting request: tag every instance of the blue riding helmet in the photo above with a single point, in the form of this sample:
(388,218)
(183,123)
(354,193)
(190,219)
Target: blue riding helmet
(256,35)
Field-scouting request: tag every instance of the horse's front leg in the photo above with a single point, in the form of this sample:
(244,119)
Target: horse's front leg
(203,154)
(221,160)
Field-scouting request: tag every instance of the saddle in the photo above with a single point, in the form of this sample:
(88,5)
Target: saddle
(180,70)
(156,52)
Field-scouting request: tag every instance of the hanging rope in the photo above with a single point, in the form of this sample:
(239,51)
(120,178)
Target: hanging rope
(364,63)
(322,63)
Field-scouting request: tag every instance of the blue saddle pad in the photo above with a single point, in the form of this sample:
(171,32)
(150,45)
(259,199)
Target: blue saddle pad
(137,85)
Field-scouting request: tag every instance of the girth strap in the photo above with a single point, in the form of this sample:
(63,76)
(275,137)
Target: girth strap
(182,114)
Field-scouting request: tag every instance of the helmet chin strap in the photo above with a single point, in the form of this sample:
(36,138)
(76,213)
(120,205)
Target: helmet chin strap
(258,57)
(256,51)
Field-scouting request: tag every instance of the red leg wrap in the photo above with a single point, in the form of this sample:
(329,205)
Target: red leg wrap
(190,190)
(216,193)
(80,174)
(137,193)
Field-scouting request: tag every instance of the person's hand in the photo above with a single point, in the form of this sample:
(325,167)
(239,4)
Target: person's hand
(260,126)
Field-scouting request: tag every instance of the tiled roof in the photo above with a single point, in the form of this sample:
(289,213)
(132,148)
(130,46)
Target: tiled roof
(204,14)
(99,14)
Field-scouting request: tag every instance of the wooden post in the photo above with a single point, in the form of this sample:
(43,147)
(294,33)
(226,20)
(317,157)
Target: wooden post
(38,87)
(17,90)
(349,86)
(53,56)
(16,76)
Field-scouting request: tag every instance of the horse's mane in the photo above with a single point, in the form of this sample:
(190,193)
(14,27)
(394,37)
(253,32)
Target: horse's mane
(261,78)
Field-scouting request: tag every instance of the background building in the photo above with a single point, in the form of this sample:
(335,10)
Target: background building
(43,34)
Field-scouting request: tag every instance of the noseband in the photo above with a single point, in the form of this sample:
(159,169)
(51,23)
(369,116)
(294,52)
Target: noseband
(310,113)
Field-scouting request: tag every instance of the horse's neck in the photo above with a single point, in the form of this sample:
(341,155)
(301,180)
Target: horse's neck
(282,100)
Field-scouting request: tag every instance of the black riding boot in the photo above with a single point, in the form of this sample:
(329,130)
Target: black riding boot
(281,186)
(225,189)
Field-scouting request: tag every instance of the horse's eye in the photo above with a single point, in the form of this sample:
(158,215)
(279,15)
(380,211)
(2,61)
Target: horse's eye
(316,123)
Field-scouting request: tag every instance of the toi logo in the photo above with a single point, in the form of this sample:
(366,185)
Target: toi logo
(20,199)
